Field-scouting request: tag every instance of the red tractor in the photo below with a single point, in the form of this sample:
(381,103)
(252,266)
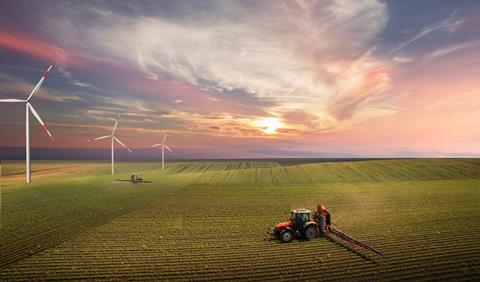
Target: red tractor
(300,225)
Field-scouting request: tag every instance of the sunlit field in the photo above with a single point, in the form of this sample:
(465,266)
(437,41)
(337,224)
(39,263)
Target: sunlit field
(208,220)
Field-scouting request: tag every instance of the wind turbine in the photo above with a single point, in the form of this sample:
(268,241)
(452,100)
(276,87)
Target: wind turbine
(29,108)
(113,138)
(163,150)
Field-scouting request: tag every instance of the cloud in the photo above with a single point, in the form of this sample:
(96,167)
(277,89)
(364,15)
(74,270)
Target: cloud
(401,60)
(206,70)
(37,48)
(80,84)
(448,24)
(361,81)
(290,53)
(451,49)
(21,89)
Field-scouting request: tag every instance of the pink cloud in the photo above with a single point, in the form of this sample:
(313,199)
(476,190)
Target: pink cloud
(38,48)
(358,83)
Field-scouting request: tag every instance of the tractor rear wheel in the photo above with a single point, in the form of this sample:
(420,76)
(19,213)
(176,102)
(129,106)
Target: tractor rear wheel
(311,232)
(286,236)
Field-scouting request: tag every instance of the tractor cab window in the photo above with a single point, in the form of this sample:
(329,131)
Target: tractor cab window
(292,216)
(305,217)
(300,217)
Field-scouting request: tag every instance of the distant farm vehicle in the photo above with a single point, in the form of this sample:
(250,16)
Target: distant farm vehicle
(301,226)
(135,179)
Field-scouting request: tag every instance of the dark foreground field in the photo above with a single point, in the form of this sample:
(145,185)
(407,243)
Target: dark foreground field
(207,220)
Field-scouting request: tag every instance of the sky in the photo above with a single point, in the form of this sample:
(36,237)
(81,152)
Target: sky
(246,79)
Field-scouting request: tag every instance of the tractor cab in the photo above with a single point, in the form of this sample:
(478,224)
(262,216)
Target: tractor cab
(300,216)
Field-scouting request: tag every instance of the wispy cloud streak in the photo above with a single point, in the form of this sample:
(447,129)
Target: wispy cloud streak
(450,24)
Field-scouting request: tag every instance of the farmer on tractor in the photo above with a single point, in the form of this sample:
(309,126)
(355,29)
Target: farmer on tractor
(322,217)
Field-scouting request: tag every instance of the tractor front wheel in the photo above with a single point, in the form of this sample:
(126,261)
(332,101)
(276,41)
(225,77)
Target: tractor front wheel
(311,232)
(286,236)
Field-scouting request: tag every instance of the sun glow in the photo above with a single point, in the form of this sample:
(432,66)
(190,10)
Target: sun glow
(268,125)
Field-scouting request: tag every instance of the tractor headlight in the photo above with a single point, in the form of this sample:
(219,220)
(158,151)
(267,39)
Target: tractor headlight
(272,231)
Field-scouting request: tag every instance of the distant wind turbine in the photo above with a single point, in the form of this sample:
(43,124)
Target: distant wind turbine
(29,108)
(113,138)
(164,146)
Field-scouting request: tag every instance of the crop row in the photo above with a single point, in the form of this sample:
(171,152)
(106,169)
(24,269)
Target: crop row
(355,270)
(371,171)
(63,259)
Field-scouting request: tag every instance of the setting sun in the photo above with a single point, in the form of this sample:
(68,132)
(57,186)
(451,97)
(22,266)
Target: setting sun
(268,125)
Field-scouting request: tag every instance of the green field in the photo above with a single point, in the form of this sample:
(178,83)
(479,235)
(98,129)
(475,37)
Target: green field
(207,220)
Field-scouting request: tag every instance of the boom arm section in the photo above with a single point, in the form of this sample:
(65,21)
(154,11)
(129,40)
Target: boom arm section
(349,239)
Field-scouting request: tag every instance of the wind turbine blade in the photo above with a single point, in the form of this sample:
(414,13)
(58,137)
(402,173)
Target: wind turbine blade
(156,145)
(164,137)
(39,120)
(11,101)
(103,137)
(166,147)
(35,90)
(120,142)
(116,124)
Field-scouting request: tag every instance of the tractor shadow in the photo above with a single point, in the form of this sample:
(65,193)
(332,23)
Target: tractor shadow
(368,257)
